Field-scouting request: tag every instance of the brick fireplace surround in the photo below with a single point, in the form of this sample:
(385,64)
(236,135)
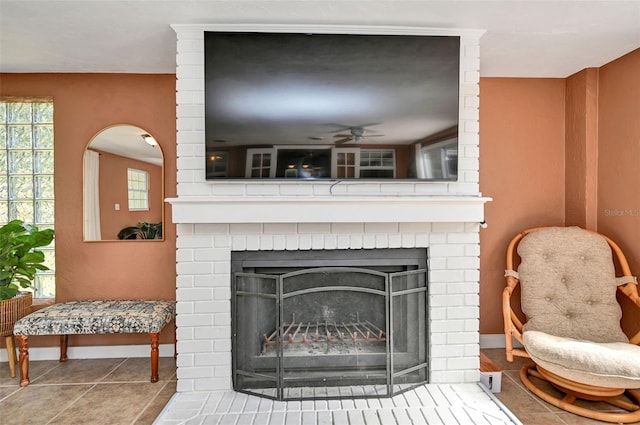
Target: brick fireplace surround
(215,218)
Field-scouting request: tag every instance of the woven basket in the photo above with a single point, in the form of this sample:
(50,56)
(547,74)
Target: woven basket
(13,309)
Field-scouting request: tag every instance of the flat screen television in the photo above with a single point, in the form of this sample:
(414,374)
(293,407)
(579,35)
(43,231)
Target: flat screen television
(331,106)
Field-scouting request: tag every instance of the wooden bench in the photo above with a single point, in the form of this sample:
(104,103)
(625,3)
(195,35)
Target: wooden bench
(94,317)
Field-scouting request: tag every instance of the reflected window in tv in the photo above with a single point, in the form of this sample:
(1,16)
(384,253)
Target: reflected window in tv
(331,106)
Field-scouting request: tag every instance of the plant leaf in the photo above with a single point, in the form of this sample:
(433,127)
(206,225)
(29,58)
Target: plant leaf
(19,258)
(8,292)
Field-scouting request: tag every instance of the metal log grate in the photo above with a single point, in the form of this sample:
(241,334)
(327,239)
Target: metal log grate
(362,331)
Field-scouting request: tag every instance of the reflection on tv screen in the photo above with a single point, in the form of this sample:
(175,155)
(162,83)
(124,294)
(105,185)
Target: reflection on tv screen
(331,106)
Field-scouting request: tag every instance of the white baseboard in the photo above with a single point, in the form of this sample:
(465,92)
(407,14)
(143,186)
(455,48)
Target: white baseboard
(492,341)
(495,341)
(94,352)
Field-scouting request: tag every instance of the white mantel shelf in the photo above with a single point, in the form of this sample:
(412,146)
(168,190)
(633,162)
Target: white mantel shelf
(328,209)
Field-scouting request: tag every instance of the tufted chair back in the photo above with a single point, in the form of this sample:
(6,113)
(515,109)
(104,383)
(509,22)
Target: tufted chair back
(569,286)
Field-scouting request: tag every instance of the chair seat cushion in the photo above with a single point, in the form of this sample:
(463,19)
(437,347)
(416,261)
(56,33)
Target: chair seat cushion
(610,364)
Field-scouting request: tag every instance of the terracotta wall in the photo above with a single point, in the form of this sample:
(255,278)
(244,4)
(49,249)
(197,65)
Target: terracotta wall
(618,208)
(522,169)
(559,152)
(581,144)
(84,104)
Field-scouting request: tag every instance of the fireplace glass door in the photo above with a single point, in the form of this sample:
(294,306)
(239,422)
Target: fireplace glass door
(330,331)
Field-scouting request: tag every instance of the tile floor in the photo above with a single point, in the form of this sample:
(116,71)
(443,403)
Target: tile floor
(87,391)
(118,391)
(528,408)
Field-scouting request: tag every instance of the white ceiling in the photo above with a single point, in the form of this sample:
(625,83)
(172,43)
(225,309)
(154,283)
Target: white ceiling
(522,39)
(127,141)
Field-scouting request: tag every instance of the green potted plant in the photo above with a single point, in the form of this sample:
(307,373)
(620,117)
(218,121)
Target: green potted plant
(19,261)
(19,257)
(144,230)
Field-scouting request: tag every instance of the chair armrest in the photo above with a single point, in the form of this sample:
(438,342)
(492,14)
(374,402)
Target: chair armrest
(512,324)
(631,291)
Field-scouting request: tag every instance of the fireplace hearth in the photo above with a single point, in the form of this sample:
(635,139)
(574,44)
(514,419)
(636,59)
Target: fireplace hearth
(317,324)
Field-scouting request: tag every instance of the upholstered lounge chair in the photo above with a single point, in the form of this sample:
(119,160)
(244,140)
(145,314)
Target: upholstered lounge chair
(572,331)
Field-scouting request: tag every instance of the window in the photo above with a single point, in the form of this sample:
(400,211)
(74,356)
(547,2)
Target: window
(259,163)
(376,163)
(439,160)
(345,163)
(319,162)
(138,187)
(26,173)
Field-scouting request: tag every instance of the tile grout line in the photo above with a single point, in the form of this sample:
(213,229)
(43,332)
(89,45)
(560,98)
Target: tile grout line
(35,380)
(113,370)
(501,405)
(146,406)
(536,399)
(93,385)
(10,394)
(72,402)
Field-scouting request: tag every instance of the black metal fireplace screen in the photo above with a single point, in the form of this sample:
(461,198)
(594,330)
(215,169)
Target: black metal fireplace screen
(303,329)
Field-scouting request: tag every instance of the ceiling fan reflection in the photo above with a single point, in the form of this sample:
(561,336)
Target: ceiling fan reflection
(356,134)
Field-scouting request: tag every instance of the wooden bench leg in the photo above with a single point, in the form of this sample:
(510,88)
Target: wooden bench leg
(64,340)
(23,340)
(11,354)
(154,356)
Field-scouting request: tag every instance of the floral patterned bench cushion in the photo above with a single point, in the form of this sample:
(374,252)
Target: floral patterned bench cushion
(97,317)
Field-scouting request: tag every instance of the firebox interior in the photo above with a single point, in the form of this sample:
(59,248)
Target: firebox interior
(329,324)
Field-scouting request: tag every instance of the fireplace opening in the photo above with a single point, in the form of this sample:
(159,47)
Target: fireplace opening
(329,324)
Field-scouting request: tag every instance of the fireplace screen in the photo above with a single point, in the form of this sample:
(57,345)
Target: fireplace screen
(305,329)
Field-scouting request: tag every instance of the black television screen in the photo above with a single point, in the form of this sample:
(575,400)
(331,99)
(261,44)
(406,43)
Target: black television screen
(331,106)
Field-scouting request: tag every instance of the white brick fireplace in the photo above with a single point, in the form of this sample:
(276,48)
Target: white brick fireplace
(215,218)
